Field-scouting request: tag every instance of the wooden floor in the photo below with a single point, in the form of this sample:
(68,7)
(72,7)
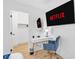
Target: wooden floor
(23,48)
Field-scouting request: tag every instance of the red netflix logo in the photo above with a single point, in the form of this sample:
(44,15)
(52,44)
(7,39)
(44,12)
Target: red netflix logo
(57,16)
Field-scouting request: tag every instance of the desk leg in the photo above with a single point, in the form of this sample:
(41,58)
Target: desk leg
(33,45)
(32,50)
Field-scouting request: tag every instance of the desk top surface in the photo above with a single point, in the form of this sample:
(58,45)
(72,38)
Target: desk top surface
(42,39)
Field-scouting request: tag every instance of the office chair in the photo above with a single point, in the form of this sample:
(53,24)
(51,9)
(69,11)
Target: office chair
(6,56)
(13,56)
(51,46)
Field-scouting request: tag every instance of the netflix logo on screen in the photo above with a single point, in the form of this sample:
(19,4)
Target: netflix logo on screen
(61,15)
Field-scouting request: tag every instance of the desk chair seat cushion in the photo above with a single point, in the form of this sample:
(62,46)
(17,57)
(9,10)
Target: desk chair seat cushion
(6,56)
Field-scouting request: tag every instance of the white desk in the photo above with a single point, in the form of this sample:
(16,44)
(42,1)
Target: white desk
(53,38)
(43,39)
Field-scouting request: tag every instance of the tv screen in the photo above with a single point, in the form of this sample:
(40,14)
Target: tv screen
(61,15)
(39,23)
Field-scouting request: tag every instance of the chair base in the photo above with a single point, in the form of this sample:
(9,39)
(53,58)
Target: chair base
(51,54)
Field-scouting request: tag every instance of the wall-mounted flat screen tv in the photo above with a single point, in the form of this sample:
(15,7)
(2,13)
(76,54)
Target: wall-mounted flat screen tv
(61,15)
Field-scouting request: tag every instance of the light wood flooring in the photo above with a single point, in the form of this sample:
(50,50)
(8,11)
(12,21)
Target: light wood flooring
(23,48)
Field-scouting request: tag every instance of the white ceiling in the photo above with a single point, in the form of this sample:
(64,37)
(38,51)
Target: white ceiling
(44,5)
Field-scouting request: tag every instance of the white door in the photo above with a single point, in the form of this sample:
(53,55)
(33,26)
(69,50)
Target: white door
(20,26)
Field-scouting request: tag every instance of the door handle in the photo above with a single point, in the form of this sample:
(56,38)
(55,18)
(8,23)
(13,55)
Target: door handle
(12,33)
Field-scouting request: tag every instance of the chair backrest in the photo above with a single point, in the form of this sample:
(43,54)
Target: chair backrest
(57,39)
(16,56)
(51,42)
(57,42)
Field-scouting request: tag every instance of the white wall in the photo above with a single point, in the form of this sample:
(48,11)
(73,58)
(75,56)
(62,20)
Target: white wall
(44,5)
(66,31)
(13,5)
(67,41)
